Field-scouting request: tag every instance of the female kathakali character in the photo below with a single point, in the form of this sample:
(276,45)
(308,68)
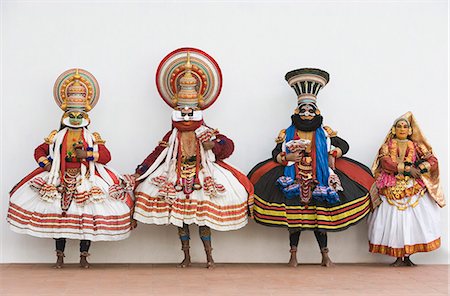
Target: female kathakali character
(406,196)
(73,194)
(307,184)
(185,180)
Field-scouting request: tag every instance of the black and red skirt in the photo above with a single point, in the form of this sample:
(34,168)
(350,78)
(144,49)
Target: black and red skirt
(272,208)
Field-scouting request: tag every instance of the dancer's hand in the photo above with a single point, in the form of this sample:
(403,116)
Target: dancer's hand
(48,167)
(296,156)
(208,145)
(415,172)
(80,153)
(134,176)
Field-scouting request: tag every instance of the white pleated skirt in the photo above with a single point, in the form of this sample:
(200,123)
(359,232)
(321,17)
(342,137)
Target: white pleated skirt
(223,212)
(106,220)
(398,233)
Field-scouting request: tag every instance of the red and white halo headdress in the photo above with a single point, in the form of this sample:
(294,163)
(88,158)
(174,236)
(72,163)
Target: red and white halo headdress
(76,89)
(189,77)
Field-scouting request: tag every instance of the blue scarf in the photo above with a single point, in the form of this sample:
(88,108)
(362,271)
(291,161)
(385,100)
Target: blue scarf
(322,192)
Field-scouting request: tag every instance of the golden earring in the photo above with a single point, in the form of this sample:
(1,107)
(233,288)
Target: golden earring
(296,111)
(393,130)
(409,131)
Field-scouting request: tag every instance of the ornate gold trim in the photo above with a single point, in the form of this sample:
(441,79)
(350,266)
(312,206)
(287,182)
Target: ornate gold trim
(98,139)
(331,133)
(281,136)
(49,139)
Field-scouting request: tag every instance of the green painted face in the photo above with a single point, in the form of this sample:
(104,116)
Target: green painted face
(76,118)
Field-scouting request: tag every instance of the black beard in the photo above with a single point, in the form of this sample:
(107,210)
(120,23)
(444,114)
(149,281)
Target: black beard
(307,125)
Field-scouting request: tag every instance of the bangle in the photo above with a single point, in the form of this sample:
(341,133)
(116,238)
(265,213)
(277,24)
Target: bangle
(419,162)
(43,161)
(425,166)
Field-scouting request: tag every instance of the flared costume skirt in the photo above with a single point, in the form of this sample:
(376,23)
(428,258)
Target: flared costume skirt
(272,208)
(398,233)
(227,211)
(107,219)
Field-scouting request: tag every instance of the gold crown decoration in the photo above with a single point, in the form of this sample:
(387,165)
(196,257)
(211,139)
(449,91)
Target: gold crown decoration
(76,89)
(189,77)
(187,95)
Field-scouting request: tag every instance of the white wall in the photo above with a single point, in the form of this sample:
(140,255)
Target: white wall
(384,59)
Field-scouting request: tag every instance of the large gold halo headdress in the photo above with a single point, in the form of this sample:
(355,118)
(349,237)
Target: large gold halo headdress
(189,77)
(76,89)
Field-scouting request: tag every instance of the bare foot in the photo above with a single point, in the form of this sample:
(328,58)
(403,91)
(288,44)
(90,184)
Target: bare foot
(293,261)
(60,260)
(83,260)
(408,262)
(397,263)
(209,260)
(326,261)
(210,264)
(185,263)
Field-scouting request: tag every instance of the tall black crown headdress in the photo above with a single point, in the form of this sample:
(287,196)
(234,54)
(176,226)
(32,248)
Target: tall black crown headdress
(307,82)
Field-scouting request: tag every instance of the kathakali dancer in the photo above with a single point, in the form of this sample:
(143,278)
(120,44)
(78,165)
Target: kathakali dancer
(307,184)
(185,180)
(73,194)
(406,196)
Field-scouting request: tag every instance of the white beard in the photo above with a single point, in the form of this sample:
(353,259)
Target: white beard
(84,123)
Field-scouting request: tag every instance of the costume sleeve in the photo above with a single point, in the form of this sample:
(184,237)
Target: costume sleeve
(277,150)
(223,147)
(42,151)
(143,167)
(340,143)
(104,156)
(432,160)
(427,161)
(388,165)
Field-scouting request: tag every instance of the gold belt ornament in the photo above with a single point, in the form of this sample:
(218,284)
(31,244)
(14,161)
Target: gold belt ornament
(395,194)
(187,170)
(73,172)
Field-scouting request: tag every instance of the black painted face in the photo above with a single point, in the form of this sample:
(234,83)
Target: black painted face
(308,111)
(308,118)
